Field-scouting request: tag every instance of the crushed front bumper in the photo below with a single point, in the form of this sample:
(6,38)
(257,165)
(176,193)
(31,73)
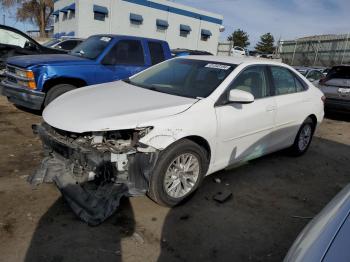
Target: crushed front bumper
(23,96)
(90,180)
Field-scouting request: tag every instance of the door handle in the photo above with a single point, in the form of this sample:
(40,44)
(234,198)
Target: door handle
(270,108)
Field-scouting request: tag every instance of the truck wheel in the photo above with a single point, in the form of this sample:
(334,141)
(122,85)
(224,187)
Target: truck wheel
(56,91)
(303,139)
(178,172)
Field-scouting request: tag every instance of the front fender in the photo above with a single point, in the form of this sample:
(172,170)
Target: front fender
(162,138)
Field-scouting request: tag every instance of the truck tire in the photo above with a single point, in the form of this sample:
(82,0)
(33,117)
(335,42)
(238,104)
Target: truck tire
(56,91)
(303,139)
(186,182)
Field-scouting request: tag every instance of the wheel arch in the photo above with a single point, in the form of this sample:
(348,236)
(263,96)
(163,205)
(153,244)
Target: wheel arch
(63,80)
(314,120)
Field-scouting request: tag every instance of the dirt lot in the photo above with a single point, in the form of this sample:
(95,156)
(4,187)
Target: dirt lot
(257,224)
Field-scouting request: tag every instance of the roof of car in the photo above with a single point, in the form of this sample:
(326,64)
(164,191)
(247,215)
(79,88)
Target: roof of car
(234,59)
(128,36)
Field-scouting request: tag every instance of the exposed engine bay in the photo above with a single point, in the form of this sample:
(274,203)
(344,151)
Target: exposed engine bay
(95,170)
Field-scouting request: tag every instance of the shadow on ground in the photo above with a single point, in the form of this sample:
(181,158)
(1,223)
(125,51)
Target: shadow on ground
(62,237)
(259,223)
(262,219)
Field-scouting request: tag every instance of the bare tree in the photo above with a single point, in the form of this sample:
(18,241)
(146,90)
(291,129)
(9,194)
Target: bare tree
(36,11)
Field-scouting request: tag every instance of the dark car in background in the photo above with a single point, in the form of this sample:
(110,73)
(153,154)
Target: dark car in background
(14,42)
(336,87)
(64,43)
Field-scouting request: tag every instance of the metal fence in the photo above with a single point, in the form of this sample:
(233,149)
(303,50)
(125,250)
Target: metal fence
(326,50)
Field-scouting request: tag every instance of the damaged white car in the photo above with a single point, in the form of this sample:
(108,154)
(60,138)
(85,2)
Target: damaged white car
(161,131)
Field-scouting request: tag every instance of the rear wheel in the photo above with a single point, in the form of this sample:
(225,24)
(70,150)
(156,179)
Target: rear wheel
(178,173)
(56,91)
(303,138)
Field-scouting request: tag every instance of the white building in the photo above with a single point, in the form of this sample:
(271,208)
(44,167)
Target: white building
(181,26)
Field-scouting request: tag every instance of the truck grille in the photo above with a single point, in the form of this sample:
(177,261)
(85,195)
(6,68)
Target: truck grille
(11,78)
(11,69)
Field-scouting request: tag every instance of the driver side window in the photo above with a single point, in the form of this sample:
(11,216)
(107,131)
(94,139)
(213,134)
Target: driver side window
(252,80)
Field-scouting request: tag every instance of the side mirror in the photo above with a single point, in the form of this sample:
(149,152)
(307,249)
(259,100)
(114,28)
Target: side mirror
(239,96)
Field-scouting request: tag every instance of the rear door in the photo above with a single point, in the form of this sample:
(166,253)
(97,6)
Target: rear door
(292,102)
(126,58)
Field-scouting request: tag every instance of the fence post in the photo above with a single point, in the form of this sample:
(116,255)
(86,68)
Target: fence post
(346,46)
(295,48)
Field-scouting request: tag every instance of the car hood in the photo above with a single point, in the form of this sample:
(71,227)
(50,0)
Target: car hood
(56,59)
(111,106)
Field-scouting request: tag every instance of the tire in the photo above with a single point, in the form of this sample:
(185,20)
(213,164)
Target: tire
(56,91)
(157,189)
(299,148)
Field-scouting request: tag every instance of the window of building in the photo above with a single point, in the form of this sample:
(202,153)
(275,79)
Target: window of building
(252,80)
(156,51)
(136,19)
(100,12)
(185,30)
(125,52)
(205,34)
(285,81)
(162,24)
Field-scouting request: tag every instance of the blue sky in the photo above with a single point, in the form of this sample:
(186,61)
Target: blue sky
(285,19)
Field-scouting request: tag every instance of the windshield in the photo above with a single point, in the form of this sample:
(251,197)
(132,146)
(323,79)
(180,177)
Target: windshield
(51,42)
(92,47)
(184,77)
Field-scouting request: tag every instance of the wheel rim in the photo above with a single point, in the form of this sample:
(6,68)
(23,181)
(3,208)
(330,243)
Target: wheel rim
(304,137)
(181,175)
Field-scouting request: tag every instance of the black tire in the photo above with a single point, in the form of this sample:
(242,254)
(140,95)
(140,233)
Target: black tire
(156,189)
(56,91)
(296,149)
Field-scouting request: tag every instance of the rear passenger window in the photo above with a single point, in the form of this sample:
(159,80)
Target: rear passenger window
(252,80)
(285,81)
(125,52)
(156,51)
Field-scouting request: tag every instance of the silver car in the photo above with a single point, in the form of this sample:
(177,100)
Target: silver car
(336,87)
(326,238)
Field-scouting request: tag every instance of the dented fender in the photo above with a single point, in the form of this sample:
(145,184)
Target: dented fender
(161,138)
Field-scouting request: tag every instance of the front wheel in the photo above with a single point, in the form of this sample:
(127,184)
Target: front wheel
(178,173)
(303,138)
(56,91)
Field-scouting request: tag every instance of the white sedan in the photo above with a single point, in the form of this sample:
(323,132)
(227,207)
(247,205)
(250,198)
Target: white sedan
(163,130)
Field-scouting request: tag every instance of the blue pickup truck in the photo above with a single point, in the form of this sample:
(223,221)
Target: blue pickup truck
(34,81)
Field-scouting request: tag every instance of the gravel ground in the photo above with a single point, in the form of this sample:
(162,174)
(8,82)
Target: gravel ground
(256,224)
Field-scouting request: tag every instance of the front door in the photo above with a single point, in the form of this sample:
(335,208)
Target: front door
(244,129)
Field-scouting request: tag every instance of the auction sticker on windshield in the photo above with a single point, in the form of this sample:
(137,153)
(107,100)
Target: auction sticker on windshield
(105,39)
(218,66)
